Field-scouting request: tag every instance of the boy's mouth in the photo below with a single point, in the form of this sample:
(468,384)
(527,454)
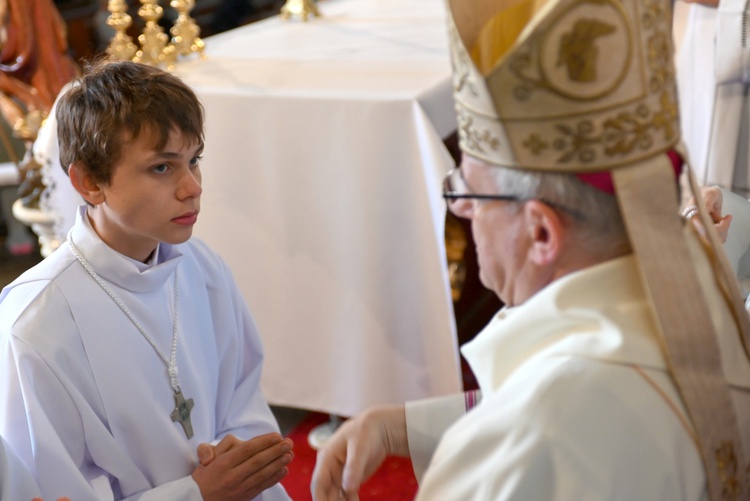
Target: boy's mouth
(187,219)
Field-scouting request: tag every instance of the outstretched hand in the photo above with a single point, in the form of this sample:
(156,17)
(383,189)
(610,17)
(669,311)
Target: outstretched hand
(240,470)
(355,452)
(713,200)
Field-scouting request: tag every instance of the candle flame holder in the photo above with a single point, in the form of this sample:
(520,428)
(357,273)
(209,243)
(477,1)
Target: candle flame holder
(302,8)
(155,47)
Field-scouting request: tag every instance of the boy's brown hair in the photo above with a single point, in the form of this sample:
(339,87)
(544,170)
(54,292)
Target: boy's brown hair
(114,102)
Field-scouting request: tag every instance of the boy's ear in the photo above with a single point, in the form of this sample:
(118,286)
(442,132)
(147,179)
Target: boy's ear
(85,184)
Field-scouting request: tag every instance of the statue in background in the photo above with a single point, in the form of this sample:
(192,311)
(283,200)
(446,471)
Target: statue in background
(34,66)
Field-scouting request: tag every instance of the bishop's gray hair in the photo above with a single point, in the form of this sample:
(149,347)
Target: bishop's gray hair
(592,214)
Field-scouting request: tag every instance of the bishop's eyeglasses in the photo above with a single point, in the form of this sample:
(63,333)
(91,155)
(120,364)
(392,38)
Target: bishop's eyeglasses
(456,188)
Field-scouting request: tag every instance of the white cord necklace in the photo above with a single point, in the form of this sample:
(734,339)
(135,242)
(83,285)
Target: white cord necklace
(181,412)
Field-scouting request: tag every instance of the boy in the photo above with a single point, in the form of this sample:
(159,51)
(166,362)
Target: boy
(130,345)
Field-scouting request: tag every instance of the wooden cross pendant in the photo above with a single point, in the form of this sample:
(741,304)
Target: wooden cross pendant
(181,413)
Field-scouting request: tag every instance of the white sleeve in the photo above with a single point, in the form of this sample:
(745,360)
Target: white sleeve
(241,407)
(732,53)
(427,420)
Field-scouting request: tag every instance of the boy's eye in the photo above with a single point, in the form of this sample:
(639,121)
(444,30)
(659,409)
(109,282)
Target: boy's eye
(160,169)
(195,160)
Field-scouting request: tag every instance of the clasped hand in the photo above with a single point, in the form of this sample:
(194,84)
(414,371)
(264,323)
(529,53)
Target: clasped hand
(238,470)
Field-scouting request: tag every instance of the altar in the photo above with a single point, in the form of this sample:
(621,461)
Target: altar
(322,190)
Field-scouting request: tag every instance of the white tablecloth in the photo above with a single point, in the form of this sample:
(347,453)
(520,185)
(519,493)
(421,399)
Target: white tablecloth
(321,174)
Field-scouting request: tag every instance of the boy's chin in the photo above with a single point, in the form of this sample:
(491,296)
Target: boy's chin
(179,239)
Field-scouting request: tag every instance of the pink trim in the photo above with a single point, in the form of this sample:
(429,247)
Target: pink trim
(471,399)
(603,180)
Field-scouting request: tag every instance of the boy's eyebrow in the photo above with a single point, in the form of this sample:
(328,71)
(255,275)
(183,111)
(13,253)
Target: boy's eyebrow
(174,154)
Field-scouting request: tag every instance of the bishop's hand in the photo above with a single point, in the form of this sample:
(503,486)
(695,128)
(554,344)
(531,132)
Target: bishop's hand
(712,199)
(356,450)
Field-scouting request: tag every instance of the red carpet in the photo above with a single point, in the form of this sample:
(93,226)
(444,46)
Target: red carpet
(394,481)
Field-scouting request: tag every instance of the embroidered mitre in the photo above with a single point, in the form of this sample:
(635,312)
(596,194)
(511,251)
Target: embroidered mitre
(588,86)
(571,85)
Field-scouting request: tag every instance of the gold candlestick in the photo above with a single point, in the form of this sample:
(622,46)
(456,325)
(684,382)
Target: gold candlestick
(121,48)
(185,31)
(154,48)
(302,8)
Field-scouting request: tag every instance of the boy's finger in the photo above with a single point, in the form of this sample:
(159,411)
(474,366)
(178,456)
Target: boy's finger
(248,449)
(261,475)
(206,454)
(278,454)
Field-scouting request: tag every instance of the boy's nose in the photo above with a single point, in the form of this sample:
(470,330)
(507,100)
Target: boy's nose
(190,186)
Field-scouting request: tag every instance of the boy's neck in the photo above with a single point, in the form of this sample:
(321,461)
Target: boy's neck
(143,257)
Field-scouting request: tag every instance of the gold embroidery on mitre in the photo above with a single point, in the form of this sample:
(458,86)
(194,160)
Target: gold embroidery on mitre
(619,135)
(564,58)
(477,126)
(536,144)
(588,85)
(462,76)
(471,136)
(726,463)
(586,141)
(578,50)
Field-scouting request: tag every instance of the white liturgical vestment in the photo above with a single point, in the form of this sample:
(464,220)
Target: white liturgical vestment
(577,402)
(87,401)
(16,483)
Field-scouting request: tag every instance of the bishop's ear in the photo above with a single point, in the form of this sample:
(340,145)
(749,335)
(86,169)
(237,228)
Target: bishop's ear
(546,232)
(85,184)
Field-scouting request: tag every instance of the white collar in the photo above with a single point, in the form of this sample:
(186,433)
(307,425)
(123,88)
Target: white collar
(600,312)
(119,269)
